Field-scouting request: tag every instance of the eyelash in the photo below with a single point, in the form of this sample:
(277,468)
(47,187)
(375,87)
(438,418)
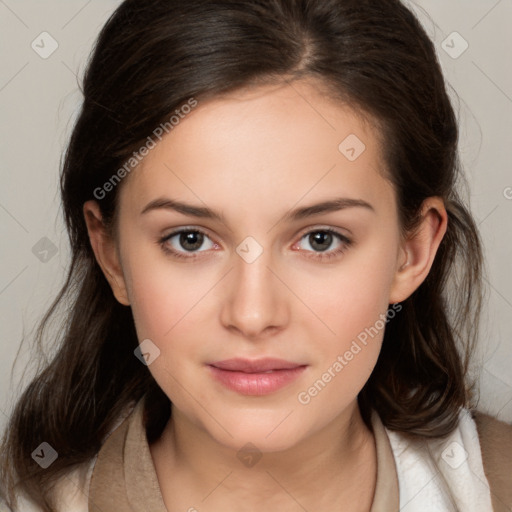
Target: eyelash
(322,256)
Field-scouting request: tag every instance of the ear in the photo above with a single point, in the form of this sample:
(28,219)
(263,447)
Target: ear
(418,251)
(105,251)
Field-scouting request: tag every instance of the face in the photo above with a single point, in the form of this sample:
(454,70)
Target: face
(271,277)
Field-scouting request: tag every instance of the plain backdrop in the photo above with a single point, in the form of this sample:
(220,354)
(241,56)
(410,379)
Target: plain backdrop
(39,100)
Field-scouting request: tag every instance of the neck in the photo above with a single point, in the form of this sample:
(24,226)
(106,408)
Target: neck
(186,456)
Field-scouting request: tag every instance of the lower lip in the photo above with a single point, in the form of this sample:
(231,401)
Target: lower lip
(256,383)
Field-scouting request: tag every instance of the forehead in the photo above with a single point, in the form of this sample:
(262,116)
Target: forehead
(265,145)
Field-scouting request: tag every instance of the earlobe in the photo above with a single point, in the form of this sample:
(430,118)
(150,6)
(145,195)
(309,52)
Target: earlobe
(419,249)
(105,251)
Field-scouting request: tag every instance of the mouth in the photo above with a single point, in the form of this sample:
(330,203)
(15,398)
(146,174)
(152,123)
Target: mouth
(267,364)
(255,377)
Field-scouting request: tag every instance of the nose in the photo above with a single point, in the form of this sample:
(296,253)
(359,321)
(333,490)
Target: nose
(255,300)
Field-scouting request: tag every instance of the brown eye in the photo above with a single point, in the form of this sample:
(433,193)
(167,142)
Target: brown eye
(190,240)
(184,241)
(320,240)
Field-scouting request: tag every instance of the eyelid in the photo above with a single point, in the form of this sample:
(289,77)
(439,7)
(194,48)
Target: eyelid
(187,229)
(344,239)
(304,231)
(181,229)
(320,227)
(324,256)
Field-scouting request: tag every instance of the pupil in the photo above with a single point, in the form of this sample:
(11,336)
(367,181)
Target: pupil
(321,237)
(193,238)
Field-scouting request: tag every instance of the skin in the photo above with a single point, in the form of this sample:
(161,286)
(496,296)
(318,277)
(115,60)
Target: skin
(254,156)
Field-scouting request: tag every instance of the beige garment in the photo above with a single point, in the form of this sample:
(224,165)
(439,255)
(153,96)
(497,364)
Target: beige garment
(139,490)
(496,446)
(124,477)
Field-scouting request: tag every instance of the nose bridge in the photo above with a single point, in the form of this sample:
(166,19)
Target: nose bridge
(255,301)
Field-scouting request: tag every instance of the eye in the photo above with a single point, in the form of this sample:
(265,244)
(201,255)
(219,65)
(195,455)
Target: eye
(179,243)
(321,239)
(186,242)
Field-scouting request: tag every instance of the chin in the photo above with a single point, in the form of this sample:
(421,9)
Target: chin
(254,441)
(267,436)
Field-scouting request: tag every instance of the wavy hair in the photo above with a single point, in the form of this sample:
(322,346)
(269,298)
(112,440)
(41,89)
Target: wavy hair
(150,58)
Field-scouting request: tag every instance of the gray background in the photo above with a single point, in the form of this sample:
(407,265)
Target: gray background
(39,99)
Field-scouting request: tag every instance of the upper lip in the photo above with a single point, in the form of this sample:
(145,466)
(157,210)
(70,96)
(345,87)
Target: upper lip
(255,365)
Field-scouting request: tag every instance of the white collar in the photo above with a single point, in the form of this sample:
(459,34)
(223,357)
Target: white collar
(442,474)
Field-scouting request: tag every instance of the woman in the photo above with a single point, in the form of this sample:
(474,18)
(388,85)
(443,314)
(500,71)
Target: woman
(262,207)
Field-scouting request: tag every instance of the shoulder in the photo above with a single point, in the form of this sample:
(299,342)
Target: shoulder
(493,432)
(71,490)
(447,469)
(496,446)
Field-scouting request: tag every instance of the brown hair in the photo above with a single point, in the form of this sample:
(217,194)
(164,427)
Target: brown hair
(153,56)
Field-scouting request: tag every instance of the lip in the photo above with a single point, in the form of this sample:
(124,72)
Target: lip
(239,364)
(255,377)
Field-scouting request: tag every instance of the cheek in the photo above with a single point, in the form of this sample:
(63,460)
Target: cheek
(162,294)
(345,360)
(165,303)
(351,298)
(352,302)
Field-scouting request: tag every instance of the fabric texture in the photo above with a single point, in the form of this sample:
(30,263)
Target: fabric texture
(414,474)
(124,477)
(443,474)
(125,480)
(496,444)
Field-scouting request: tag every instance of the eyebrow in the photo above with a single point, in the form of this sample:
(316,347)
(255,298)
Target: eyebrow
(331,205)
